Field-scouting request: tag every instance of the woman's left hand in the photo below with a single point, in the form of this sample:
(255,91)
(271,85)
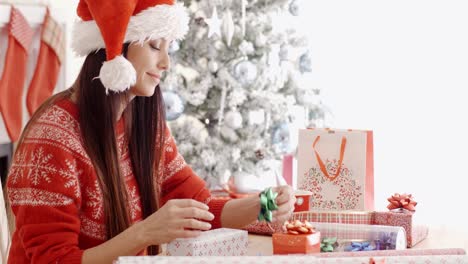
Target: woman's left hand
(285,201)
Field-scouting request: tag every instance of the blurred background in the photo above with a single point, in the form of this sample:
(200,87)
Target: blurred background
(398,68)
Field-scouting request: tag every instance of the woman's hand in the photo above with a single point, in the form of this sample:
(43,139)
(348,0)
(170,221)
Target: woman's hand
(182,218)
(285,201)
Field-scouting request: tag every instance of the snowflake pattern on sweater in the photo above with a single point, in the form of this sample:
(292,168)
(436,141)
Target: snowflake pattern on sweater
(56,197)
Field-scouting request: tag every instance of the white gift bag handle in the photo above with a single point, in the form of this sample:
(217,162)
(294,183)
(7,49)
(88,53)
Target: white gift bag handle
(322,165)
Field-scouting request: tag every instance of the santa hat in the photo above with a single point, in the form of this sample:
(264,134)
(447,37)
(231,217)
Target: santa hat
(110,23)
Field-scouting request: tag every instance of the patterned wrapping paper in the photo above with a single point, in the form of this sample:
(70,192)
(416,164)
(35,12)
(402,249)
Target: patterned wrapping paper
(304,259)
(414,233)
(218,260)
(394,236)
(216,242)
(343,217)
(404,252)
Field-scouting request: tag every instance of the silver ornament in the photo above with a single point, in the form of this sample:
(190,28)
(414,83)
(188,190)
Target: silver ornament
(245,72)
(174,105)
(281,137)
(228,27)
(229,134)
(233,119)
(305,63)
(294,8)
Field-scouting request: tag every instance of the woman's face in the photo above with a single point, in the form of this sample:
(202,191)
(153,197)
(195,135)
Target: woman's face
(150,60)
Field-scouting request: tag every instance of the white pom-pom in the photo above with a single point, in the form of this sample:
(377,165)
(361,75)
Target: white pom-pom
(117,74)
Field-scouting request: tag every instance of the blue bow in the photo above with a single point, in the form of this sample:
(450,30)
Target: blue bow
(357,246)
(386,241)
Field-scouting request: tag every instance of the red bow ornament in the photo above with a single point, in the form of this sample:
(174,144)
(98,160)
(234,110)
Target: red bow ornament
(404,201)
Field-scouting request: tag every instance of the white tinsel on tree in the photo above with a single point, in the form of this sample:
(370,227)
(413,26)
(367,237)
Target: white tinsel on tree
(240,91)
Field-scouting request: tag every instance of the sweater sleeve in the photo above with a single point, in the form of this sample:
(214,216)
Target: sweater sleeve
(45,195)
(180,182)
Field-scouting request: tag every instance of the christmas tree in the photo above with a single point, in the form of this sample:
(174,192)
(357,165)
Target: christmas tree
(233,96)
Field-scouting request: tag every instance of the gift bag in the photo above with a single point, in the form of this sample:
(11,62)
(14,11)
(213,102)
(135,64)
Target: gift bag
(337,167)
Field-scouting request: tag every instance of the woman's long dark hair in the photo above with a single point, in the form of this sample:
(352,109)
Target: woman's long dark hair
(145,126)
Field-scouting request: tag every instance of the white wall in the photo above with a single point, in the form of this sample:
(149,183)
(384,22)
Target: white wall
(400,68)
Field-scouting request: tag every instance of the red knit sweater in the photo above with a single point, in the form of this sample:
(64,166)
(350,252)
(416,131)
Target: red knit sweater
(56,198)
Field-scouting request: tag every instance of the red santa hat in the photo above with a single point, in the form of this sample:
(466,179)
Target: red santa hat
(110,23)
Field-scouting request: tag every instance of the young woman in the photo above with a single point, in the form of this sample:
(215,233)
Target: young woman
(96,173)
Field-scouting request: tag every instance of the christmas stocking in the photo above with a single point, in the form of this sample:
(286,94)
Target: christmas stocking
(48,64)
(20,37)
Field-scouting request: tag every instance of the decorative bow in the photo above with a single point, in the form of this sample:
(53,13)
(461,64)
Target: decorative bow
(297,227)
(385,241)
(328,244)
(404,201)
(359,246)
(268,205)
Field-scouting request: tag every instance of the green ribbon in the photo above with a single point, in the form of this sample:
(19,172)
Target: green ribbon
(328,244)
(268,205)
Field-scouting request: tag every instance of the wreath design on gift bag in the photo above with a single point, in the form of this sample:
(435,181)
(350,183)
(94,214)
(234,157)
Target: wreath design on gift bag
(336,174)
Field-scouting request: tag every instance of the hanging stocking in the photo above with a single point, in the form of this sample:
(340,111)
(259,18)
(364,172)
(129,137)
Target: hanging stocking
(47,70)
(12,82)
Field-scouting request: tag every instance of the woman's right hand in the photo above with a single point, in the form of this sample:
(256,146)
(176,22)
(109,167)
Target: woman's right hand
(184,218)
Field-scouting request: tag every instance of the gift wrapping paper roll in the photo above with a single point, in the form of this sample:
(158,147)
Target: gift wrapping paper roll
(305,259)
(404,252)
(342,217)
(348,235)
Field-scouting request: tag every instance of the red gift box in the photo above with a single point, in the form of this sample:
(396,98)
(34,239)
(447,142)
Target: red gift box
(404,218)
(284,243)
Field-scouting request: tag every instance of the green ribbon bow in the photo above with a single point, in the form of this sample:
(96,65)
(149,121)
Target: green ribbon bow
(268,205)
(328,244)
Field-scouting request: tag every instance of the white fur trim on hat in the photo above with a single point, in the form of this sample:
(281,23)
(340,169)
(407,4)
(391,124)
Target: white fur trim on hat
(161,21)
(117,74)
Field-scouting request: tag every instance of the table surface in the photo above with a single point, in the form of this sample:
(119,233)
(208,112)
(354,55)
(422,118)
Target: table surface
(439,237)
